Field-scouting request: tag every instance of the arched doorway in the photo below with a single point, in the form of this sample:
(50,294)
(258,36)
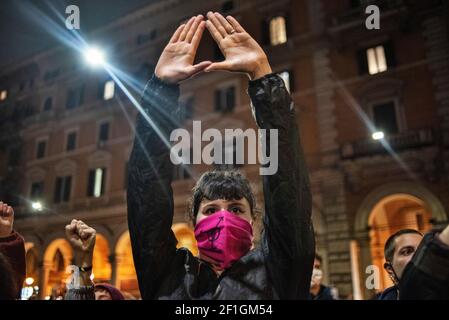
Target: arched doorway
(57,257)
(185,237)
(391,214)
(31,284)
(384,210)
(126,279)
(100,263)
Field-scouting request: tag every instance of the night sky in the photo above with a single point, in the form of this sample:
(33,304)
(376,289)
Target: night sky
(20,37)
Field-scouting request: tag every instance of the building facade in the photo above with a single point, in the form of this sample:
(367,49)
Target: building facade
(372,105)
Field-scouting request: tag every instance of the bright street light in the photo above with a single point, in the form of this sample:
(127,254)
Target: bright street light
(94,56)
(378,135)
(29,281)
(37,206)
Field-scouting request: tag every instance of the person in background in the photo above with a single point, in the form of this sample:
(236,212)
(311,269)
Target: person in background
(318,291)
(82,238)
(399,250)
(8,285)
(12,248)
(105,291)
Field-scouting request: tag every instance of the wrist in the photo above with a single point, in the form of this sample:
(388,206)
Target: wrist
(262,69)
(163,78)
(83,259)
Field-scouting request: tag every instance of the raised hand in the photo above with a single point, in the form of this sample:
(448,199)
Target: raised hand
(6,219)
(242,53)
(176,61)
(82,238)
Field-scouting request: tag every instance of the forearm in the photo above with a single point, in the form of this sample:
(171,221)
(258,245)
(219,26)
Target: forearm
(149,193)
(288,189)
(84,263)
(86,292)
(289,236)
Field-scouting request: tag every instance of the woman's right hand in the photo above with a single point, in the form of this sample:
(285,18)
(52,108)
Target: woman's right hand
(242,53)
(82,238)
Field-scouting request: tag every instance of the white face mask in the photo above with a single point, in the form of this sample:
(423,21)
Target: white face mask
(317,276)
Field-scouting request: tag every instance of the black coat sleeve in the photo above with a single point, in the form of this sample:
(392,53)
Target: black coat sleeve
(149,193)
(426,277)
(288,240)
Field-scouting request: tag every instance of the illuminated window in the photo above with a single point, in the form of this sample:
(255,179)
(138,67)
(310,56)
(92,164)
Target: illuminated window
(109,89)
(278,31)
(376,60)
(3,95)
(96,182)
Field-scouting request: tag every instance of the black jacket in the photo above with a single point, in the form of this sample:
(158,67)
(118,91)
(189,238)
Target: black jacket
(390,293)
(280,267)
(426,277)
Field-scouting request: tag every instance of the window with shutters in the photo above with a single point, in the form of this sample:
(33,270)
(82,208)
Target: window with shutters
(37,190)
(41,148)
(385,117)
(225,99)
(48,104)
(63,186)
(75,97)
(71,141)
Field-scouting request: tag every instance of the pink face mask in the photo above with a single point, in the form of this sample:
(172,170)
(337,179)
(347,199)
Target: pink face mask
(223,238)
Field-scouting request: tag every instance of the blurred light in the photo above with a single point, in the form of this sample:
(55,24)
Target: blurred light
(37,206)
(92,276)
(47,298)
(29,281)
(378,135)
(3,95)
(94,56)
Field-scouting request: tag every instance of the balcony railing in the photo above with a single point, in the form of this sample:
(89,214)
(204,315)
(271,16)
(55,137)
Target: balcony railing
(403,141)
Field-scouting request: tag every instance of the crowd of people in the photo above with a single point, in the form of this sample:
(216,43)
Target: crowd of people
(284,264)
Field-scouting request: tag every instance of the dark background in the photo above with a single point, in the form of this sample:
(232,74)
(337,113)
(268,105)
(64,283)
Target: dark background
(20,37)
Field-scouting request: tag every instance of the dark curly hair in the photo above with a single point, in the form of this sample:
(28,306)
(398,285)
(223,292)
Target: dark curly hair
(221,184)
